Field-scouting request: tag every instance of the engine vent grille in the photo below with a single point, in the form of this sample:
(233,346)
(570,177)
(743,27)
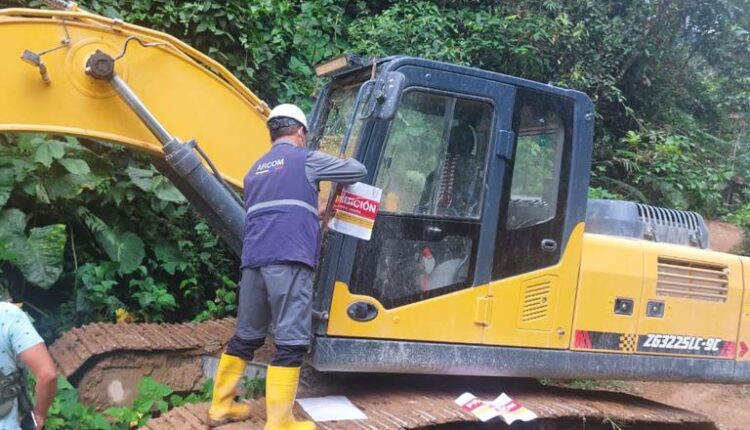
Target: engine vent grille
(628,219)
(536,302)
(673,226)
(690,280)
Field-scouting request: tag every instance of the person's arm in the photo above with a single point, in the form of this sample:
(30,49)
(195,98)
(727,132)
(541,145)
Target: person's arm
(39,362)
(323,167)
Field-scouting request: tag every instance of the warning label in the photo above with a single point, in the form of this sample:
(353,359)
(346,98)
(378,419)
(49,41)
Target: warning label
(355,210)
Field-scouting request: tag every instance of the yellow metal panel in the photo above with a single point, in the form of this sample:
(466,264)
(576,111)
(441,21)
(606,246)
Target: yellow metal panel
(692,316)
(448,318)
(191,95)
(743,340)
(611,268)
(507,325)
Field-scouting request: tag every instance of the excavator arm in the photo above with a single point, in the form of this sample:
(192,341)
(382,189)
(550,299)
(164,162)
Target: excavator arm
(159,90)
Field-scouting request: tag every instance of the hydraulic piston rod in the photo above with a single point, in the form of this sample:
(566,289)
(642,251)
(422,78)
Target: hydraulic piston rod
(182,164)
(128,96)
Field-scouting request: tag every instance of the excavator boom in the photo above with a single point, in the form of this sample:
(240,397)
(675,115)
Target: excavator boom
(192,95)
(102,79)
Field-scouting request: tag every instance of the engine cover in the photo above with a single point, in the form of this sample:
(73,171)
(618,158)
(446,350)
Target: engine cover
(636,220)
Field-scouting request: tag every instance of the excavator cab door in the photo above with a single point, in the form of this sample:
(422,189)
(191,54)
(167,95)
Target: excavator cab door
(432,169)
(437,162)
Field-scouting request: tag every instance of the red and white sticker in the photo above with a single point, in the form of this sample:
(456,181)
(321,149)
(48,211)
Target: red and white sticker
(355,210)
(503,406)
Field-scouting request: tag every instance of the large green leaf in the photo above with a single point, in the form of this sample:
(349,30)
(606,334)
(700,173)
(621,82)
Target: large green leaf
(40,255)
(123,247)
(49,151)
(152,182)
(169,256)
(75,165)
(143,178)
(169,193)
(44,262)
(71,185)
(129,251)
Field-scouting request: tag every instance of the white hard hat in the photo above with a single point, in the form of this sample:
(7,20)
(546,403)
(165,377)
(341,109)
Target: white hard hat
(287,110)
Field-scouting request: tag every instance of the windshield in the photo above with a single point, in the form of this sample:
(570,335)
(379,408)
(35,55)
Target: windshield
(337,111)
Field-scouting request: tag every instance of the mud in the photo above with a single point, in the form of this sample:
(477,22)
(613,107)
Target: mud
(113,380)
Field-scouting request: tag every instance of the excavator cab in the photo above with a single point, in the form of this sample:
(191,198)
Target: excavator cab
(484,178)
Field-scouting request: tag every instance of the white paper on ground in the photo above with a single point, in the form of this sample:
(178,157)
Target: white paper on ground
(331,408)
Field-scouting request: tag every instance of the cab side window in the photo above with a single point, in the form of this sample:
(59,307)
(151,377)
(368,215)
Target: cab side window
(532,212)
(536,170)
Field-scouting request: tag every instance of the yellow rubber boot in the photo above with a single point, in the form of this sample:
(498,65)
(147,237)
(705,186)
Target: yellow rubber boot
(223,408)
(281,391)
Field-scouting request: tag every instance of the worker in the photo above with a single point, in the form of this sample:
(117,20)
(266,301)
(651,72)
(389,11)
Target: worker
(279,254)
(19,341)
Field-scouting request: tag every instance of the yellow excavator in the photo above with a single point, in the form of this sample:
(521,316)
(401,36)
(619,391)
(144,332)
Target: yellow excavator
(486,258)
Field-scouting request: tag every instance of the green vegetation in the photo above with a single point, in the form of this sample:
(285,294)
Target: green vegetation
(153,399)
(90,231)
(587,384)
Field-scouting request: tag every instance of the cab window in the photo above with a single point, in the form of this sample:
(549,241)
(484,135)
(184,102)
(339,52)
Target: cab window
(532,217)
(435,156)
(432,172)
(536,170)
(338,110)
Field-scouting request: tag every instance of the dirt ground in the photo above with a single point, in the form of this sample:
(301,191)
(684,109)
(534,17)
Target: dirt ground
(727,405)
(725,237)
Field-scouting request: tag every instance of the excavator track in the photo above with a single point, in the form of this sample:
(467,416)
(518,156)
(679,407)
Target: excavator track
(408,402)
(106,361)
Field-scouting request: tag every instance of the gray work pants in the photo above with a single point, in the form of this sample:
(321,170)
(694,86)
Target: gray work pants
(276,297)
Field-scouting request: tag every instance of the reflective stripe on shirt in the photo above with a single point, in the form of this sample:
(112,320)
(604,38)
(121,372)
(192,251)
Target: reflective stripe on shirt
(282,202)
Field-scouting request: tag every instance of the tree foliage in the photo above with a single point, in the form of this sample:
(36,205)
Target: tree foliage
(102,232)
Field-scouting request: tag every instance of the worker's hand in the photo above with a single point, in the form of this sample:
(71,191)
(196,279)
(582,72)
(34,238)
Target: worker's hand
(322,206)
